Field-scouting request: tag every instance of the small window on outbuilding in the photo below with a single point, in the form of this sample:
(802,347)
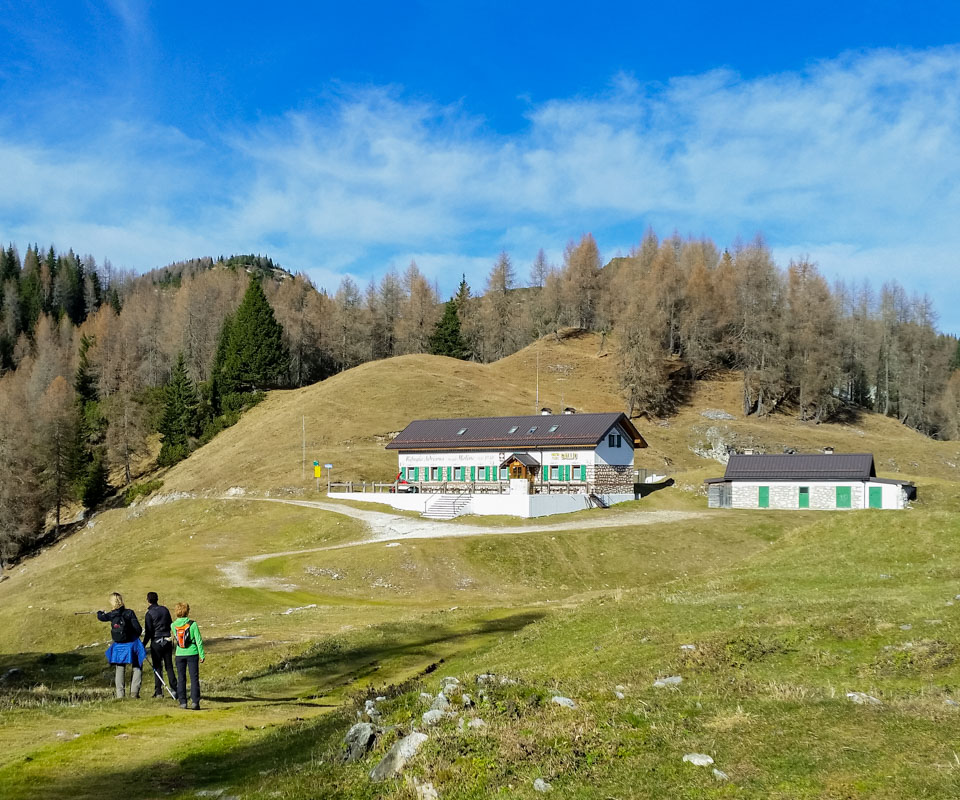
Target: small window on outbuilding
(461,431)
(513,429)
(615,440)
(553,428)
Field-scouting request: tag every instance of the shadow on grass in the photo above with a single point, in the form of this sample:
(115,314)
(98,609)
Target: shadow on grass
(332,661)
(228,759)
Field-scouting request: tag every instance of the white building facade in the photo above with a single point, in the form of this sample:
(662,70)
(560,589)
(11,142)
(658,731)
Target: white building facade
(824,482)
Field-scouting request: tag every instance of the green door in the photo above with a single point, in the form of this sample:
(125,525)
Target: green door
(764,497)
(804,497)
(876,497)
(843,497)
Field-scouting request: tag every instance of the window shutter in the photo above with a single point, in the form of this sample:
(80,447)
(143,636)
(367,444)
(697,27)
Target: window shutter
(403,473)
(449,473)
(473,474)
(583,472)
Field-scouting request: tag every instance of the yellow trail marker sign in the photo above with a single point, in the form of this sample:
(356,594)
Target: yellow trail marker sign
(318,472)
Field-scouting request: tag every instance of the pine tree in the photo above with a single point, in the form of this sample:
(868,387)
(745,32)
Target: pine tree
(255,356)
(446,339)
(179,422)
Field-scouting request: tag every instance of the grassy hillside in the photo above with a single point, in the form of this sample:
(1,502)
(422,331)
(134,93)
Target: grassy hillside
(349,418)
(786,613)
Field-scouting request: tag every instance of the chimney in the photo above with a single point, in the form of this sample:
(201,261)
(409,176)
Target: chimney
(828,451)
(569,410)
(748,451)
(546,412)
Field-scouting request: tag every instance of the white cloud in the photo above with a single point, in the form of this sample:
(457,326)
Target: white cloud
(856,158)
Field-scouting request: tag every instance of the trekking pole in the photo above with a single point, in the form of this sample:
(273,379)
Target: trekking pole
(169,691)
(76,613)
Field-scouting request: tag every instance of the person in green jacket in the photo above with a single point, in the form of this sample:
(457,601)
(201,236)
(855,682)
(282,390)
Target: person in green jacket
(189,654)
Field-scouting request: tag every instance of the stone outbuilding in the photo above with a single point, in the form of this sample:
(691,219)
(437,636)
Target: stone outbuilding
(820,481)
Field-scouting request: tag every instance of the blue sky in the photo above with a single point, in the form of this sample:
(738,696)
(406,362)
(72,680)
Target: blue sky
(350,140)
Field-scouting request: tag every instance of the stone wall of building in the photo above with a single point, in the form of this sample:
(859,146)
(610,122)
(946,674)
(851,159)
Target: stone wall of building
(823,496)
(611,477)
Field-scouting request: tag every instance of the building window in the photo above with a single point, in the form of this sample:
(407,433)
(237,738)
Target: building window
(435,474)
(504,474)
(614,440)
(458,473)
(554,473)
(577,473)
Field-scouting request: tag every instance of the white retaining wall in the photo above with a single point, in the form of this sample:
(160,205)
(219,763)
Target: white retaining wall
(514,505)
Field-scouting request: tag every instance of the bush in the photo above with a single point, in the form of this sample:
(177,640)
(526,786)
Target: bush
(141,490)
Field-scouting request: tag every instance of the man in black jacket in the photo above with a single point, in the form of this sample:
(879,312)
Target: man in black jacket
(156,632)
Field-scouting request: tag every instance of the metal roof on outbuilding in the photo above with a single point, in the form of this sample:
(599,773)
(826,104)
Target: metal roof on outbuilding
(775,466)
(517,433)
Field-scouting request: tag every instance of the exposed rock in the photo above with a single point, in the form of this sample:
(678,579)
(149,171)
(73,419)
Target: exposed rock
(379,699)
(432,717)
(698,759)
(476,723)
(425,791)
(440,703)
(619,695)
(450,680)
(718,444)
(397,757)
(467,700)
(862,699)
(672,680)
(358,741)
(78,677)
(951,702)
(488,677)
(370,711)
(906,627)
(426,697)
(720,775)
(540,785)
(688,647)
(716,413)
(565,702)
(10,673)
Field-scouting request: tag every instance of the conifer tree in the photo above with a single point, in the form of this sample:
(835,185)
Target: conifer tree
(179,422)
(446,339)
(255,356)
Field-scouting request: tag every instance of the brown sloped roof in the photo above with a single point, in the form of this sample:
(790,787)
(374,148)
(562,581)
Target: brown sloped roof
(573,430)
(839,466)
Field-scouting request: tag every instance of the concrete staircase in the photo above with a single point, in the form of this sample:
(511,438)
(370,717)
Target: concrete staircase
(597,500)
(447,506)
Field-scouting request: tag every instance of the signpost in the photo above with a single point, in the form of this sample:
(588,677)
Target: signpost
(317,473)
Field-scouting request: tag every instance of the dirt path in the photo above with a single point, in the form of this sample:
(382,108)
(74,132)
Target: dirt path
(386,527)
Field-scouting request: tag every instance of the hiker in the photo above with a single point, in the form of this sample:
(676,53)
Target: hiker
(156,633)
(126,647)
(189,643)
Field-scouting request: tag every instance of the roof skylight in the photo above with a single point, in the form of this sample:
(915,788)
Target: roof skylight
(553,428)
(461,431)
(513,429)
(532,429)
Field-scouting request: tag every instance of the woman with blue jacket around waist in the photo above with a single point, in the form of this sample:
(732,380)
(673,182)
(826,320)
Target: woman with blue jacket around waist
(126,647)
(189,655)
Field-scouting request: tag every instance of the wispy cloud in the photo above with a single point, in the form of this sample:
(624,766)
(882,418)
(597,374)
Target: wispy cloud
(855,161)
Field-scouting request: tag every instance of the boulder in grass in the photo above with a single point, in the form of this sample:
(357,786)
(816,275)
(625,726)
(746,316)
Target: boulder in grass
(672,680)
(698,759)
(440,703)
(358,741)
(426,791)
(432,717)
(563,702)
(540,785)
(720,775)
(396,759)
(862,699)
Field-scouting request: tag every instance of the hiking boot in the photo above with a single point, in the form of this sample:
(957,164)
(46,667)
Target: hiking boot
(155,695)
(195,707)
(183,706)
